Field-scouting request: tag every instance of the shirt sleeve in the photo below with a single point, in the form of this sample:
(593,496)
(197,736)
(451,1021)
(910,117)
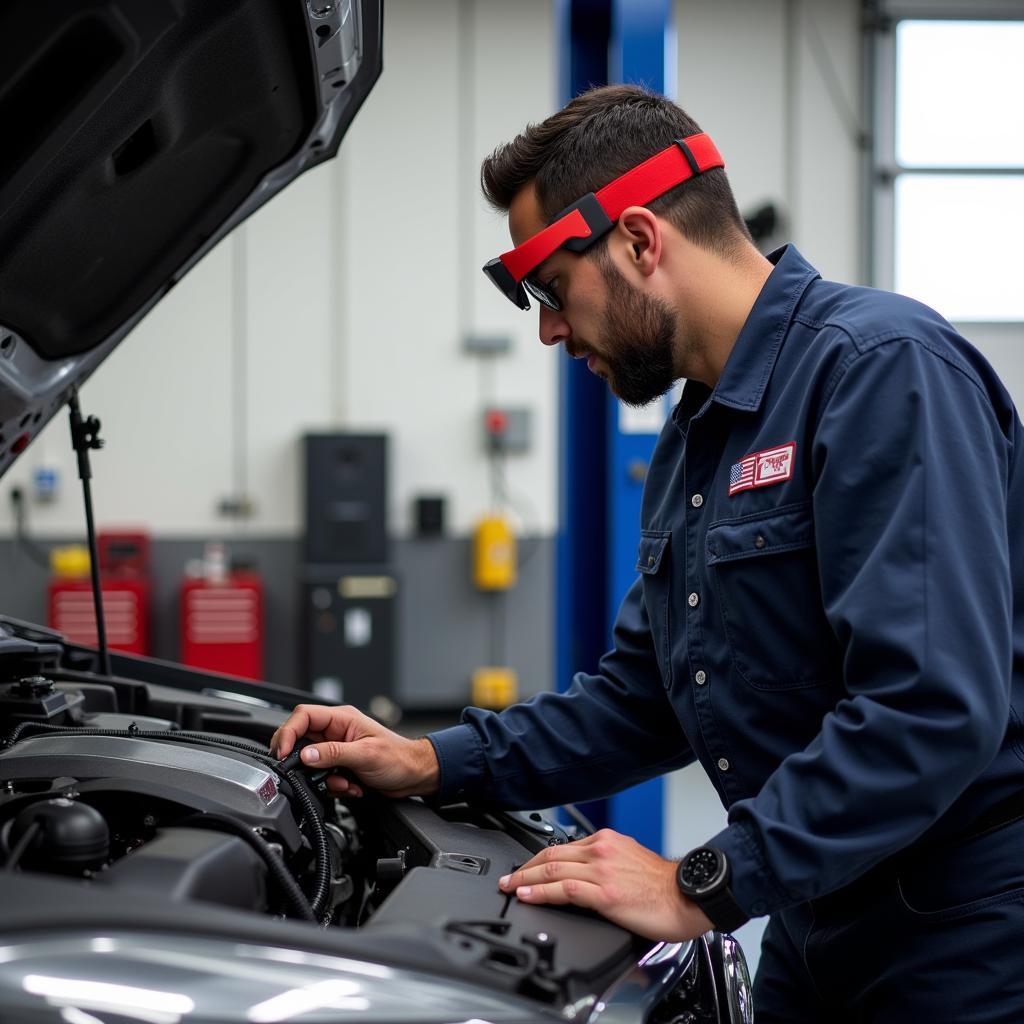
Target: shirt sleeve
(608,731)
(910,498)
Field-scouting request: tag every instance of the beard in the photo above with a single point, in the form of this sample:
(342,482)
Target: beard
(638,341)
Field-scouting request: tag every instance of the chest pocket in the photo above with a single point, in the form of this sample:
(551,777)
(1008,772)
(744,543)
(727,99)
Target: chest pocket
(765,572)
(654,562)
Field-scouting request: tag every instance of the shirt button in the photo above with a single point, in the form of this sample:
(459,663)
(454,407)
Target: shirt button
(759,541)
(723,764)
(701,677)
(697,500)
(650,559)
(693,600)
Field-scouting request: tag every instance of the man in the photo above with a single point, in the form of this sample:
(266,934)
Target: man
(829,612)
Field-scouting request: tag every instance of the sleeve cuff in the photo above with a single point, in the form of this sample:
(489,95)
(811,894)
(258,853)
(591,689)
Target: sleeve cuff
(460,762)
(753,886)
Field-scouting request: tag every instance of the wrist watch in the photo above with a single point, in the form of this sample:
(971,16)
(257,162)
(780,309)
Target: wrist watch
(703,876)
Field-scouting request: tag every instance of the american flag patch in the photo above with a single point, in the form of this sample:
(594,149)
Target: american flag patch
(771,466)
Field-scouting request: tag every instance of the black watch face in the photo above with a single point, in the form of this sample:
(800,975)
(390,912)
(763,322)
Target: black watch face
(701,869)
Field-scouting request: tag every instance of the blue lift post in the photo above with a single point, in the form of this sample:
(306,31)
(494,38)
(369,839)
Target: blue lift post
(605,449)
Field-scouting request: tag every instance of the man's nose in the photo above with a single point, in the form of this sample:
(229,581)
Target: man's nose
(554,328)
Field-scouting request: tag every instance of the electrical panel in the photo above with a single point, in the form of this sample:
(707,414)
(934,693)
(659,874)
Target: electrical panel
(507,429)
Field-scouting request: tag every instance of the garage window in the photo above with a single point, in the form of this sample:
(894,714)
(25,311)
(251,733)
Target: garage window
(949,154)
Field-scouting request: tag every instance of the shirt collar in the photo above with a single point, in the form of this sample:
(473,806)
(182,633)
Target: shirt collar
(752,359)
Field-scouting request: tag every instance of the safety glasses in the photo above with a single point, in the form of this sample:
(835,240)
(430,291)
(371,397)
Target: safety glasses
(590,218)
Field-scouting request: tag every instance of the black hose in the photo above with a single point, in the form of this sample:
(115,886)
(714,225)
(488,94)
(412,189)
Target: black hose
(281,874)
(322,882)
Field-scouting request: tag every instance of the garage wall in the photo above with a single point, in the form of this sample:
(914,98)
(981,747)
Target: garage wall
(416,233)
(342,304)
(754,73)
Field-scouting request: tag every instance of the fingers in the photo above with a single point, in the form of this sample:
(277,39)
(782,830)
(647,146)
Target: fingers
(306,720)
(576,891)
(544,860)
(335,754)
(343,737)
(341,786)
(295,725)
(556,863)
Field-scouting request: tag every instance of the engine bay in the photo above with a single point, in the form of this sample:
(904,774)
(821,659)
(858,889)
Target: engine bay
(134,790)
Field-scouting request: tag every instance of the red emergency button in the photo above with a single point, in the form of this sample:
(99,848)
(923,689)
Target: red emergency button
(497,422)
(21,444)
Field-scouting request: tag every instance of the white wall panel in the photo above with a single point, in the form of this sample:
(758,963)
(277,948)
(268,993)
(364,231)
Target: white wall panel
(753,74)
(164,399)
(289,365)
(403,367)
(828,218)
(416,233)
(732,81)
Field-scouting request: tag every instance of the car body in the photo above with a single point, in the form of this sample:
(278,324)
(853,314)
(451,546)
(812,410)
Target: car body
(160,865)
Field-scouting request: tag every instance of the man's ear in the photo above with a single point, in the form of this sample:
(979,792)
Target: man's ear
(640,230)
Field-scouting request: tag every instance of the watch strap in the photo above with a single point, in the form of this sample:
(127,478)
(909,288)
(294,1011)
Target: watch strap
(723,910)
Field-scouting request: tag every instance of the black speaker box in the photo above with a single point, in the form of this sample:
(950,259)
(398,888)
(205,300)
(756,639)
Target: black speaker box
(346,499)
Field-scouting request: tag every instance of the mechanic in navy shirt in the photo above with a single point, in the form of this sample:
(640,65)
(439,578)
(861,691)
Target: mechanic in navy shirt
(829,609)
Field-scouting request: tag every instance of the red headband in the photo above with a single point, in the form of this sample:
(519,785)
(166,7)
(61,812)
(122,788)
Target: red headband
(637,187)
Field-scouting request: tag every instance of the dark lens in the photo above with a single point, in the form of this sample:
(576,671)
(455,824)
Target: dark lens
(542,293)
(506,283)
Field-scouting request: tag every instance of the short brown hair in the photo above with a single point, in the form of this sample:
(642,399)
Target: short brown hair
(596,137)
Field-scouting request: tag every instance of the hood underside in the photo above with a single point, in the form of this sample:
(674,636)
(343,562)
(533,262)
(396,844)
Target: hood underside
(137,133)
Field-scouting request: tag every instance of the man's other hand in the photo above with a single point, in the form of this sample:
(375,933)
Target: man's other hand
(616,877)
(344,737)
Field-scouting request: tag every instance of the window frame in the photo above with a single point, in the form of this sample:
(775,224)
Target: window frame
(885,169)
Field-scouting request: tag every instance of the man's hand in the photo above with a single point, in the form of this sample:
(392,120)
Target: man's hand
(617,877)
(345,737)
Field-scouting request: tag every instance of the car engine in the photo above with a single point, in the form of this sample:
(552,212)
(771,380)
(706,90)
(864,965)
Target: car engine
(155,785)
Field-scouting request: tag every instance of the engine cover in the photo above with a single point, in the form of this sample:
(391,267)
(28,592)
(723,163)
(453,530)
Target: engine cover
(197,777)
(193,864)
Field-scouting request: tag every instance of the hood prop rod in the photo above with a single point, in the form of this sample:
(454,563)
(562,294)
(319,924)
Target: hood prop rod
(85,434)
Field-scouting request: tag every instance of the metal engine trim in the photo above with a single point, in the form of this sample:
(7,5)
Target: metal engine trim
(208,780)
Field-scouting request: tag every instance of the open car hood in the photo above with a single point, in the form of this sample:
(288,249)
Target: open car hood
(136,135)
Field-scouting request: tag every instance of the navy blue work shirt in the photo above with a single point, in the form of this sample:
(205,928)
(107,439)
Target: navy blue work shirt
(829,611)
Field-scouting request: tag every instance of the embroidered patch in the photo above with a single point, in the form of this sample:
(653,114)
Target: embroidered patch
(771,466)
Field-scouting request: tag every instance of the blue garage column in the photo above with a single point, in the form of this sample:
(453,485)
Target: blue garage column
(641,36)
(605,447)
(582,571)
